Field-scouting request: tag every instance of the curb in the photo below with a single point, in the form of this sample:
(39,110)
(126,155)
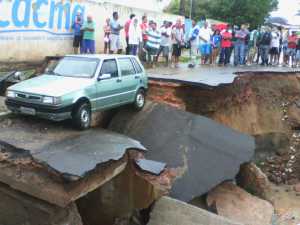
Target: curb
(4,114)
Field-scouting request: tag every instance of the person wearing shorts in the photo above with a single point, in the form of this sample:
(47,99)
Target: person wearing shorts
(89,36)
(177,42)
(165,42)
(274,51)
(115,41)
(205,45)
(292,46)
(77,41)
(107,32)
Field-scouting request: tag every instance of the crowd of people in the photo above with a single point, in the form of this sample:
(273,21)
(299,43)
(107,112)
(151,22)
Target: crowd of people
(221,44)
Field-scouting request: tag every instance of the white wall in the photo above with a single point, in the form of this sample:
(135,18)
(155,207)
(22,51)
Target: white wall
(154,5)
(33,29)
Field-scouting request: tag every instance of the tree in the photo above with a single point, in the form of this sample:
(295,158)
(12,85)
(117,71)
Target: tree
(238,12)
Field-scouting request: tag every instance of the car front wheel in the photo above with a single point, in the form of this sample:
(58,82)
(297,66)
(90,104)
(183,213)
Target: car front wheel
(82,116)
(140,100)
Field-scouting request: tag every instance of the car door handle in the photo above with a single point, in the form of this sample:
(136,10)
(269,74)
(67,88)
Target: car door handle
(137,77)
(119,80)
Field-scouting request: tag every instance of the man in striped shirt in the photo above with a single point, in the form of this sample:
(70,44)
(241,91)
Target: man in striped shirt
(153,42)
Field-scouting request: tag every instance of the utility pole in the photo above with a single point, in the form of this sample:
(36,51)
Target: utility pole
(191,8)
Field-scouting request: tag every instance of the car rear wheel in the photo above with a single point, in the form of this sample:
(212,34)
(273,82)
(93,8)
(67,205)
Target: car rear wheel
(82,116)
(140,100)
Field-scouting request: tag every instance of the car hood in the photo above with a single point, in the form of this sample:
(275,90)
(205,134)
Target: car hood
(51,85)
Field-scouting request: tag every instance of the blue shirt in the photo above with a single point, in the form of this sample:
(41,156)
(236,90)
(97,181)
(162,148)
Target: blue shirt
(216,40)
(77,27)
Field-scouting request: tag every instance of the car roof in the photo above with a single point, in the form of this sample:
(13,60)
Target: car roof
(101,56)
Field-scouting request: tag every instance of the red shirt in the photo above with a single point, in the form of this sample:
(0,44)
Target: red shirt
(226,39)
(144,27)
(126,27)
(292,41)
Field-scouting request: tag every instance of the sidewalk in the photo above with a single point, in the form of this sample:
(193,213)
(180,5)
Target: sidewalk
(209,75)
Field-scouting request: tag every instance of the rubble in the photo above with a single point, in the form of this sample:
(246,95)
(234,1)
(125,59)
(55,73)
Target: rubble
(191,144)
(236,204)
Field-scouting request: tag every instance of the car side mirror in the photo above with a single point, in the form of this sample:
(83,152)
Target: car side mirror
(104,76)
(18,75)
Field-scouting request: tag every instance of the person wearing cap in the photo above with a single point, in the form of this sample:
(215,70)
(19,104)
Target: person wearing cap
(89,36)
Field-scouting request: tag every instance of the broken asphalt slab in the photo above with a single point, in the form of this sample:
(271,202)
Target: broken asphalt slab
(203,152)
(208,76)
(59,165)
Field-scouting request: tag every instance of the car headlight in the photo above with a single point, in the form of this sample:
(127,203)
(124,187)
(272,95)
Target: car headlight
(10,94)
(51,100)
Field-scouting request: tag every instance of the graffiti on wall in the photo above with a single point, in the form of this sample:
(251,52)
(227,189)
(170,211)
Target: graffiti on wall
(36,17)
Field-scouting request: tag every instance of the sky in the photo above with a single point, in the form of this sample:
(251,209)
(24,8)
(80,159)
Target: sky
(288,9)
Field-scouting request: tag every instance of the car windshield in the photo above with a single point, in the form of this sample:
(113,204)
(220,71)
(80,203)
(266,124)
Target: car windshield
(76,67)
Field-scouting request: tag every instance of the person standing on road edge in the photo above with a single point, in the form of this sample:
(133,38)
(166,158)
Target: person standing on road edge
(240,44)
(165,42)
(107,32)
(134,36)
(194,43)
(89,36)
(126,29)
(177,42)
(216,45)
(226,45)
(292,45)
(153,42)
(264,46)
(115,40)
(78,34)
(144,28)
(205,44)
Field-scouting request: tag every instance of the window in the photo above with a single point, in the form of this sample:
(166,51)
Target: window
(76,67)
(110,67)
(137,66)
(126,67)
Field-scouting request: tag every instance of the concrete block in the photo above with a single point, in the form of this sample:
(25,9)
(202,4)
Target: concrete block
(168,211)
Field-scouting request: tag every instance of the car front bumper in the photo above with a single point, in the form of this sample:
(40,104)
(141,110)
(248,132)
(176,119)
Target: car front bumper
(54,113)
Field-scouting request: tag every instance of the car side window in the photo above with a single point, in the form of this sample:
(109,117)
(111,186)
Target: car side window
(109,66)
(126,67)
(138,68)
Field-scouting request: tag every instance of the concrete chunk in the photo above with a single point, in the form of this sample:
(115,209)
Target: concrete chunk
(168,211)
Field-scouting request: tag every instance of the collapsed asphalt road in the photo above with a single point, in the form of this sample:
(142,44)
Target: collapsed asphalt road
(203,152)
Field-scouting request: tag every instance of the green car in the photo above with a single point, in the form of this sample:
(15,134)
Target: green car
(80,85)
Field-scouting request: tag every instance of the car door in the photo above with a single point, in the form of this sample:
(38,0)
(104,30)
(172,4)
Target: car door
(130,79)
(109,89)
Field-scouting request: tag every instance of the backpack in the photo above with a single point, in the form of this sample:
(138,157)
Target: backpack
(266,38)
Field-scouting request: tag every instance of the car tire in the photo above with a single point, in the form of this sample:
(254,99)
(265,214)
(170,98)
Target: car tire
(82,116)
(140,100)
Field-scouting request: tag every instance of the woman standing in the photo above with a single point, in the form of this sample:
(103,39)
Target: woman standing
(216,45)
(134,36)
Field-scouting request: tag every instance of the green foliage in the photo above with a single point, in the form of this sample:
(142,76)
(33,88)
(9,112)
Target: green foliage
(232,11)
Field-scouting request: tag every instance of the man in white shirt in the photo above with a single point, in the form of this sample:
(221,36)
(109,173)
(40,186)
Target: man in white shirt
(194,42)
(205,43)
(165,44)
(275,44)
